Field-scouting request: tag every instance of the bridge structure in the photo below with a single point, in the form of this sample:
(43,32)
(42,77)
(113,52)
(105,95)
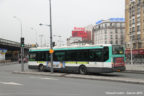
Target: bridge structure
(12,49)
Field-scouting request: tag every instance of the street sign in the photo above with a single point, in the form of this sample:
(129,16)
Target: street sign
(51,51)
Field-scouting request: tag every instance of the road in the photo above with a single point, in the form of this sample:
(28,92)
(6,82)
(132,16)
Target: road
(32,85)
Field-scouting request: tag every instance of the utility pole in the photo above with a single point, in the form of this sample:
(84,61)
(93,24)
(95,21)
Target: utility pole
(22,43)
(51,39)
(22,53)
(51,44)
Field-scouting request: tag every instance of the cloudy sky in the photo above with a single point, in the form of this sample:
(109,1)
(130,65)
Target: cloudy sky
(66,14)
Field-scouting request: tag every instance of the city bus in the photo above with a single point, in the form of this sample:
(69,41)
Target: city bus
(104,58)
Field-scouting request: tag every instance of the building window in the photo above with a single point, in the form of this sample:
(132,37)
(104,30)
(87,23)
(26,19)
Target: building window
(133,21)
(121,41)
(138,37)
(105,25)
(116,37)
(138,19)
(110,24)
(133,29)
(105,42)
(116,42)
(138,10)
(111,37)
(130,30)
(138,28)
(133,38)
(116,31)
(121,25)
(105,37)
(111,32)
(122,37)
(139,45)
(111,42)
(105,31)
(129,22)
(121,31)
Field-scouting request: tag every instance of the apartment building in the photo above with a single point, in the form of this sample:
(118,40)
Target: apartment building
(134,15)
(109,31)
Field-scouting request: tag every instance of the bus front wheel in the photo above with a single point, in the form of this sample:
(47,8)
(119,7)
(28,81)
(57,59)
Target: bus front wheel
(83,70)
(41,68)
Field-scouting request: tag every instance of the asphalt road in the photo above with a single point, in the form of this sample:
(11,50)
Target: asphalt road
(32,85)
(17,67)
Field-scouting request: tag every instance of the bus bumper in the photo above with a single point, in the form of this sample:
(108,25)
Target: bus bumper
(119,69)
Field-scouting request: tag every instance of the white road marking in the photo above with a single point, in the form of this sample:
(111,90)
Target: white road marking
(11,83)
(48,79)
(43,78)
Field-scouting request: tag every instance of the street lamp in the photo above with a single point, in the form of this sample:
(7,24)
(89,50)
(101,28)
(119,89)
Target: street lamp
(51,44)
(21,41)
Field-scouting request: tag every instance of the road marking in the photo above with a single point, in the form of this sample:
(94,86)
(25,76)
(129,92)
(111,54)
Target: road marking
(48,79)
(42,78)
(11,83)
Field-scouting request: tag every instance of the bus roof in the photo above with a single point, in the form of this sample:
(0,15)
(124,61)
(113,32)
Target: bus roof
(69,47)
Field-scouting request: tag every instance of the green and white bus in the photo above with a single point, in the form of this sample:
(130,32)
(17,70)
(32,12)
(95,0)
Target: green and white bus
(83,59)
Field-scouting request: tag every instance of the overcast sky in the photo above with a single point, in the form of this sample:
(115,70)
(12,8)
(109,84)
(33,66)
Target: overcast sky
(66,14)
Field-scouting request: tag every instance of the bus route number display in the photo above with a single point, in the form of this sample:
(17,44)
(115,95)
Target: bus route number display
(51,51)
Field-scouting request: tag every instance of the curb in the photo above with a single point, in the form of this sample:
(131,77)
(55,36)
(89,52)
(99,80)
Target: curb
(133,71)
(115,79)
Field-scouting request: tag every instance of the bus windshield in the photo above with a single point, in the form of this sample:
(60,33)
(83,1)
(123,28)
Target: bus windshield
(117,49)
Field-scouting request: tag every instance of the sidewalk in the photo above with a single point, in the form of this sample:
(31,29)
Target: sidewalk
(8,63)
(135,68)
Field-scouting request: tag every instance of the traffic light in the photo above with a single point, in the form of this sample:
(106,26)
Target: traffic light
(53,44)
(22,42)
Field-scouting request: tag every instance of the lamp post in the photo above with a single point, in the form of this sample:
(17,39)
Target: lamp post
(51,45)
(21,40)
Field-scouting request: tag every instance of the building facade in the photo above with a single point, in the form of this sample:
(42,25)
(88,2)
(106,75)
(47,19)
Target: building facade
(80,36)
(73,41)
(89,30)
(109,31)
(134,14)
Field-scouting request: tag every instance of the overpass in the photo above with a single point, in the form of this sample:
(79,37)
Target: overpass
(13,49)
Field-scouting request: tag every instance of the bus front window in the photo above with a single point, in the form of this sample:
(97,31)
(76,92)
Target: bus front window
(117,49)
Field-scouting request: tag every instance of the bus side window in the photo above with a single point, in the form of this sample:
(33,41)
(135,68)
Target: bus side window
(106,53)
(32,56)
(95,55)
(92,56)
(41,56)
(59,56)
(47,56)
(71,55)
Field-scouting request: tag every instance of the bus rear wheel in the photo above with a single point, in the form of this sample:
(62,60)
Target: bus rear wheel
(41,68)
(83,70)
